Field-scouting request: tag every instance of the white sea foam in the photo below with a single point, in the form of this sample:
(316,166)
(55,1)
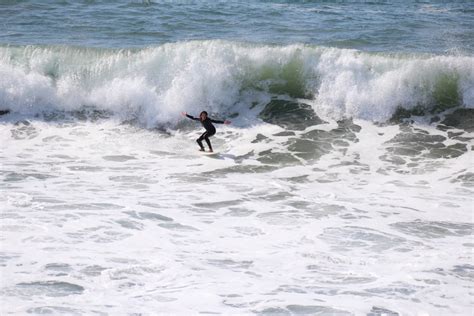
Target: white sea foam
(354,84)
(107,217)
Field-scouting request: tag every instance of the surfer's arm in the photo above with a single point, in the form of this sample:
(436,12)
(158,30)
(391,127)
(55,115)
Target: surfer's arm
(190,116)
(216,121)
(220,122)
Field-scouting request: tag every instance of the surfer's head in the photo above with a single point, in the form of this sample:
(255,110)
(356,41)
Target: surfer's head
(203,115)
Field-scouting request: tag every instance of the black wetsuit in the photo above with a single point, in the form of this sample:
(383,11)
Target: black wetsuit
(210,130)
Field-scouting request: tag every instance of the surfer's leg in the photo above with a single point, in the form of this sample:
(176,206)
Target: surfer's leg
(208,143)
(206,137)
(199,140)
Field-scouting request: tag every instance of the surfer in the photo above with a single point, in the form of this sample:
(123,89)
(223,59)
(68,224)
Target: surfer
(207,124)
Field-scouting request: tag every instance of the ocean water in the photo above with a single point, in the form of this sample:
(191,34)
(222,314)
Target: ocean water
(343,186)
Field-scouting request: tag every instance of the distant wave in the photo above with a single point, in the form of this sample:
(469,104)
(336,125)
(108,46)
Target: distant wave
(153,84)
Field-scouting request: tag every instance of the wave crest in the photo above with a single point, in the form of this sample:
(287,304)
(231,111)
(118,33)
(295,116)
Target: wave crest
(154,84)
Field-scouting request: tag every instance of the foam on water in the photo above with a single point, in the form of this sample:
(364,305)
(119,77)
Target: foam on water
(118,219)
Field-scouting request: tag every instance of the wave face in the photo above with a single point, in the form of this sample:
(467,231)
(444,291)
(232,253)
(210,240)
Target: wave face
(153,84)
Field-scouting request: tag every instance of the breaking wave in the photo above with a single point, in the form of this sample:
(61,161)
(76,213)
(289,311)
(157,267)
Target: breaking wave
(153,84)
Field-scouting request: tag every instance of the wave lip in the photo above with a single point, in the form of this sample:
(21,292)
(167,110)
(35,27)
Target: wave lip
(153,84)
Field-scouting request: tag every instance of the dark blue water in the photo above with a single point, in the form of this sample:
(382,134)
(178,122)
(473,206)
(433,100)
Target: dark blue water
(404,26)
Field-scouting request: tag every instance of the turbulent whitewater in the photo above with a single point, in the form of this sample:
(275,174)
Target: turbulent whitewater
(343,186)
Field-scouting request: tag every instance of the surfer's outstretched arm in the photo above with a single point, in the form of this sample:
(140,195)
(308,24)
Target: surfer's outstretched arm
(219,121)
(190,116)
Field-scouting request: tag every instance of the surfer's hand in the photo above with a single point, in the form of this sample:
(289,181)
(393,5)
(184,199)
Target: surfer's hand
(226,122)
(184,113)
